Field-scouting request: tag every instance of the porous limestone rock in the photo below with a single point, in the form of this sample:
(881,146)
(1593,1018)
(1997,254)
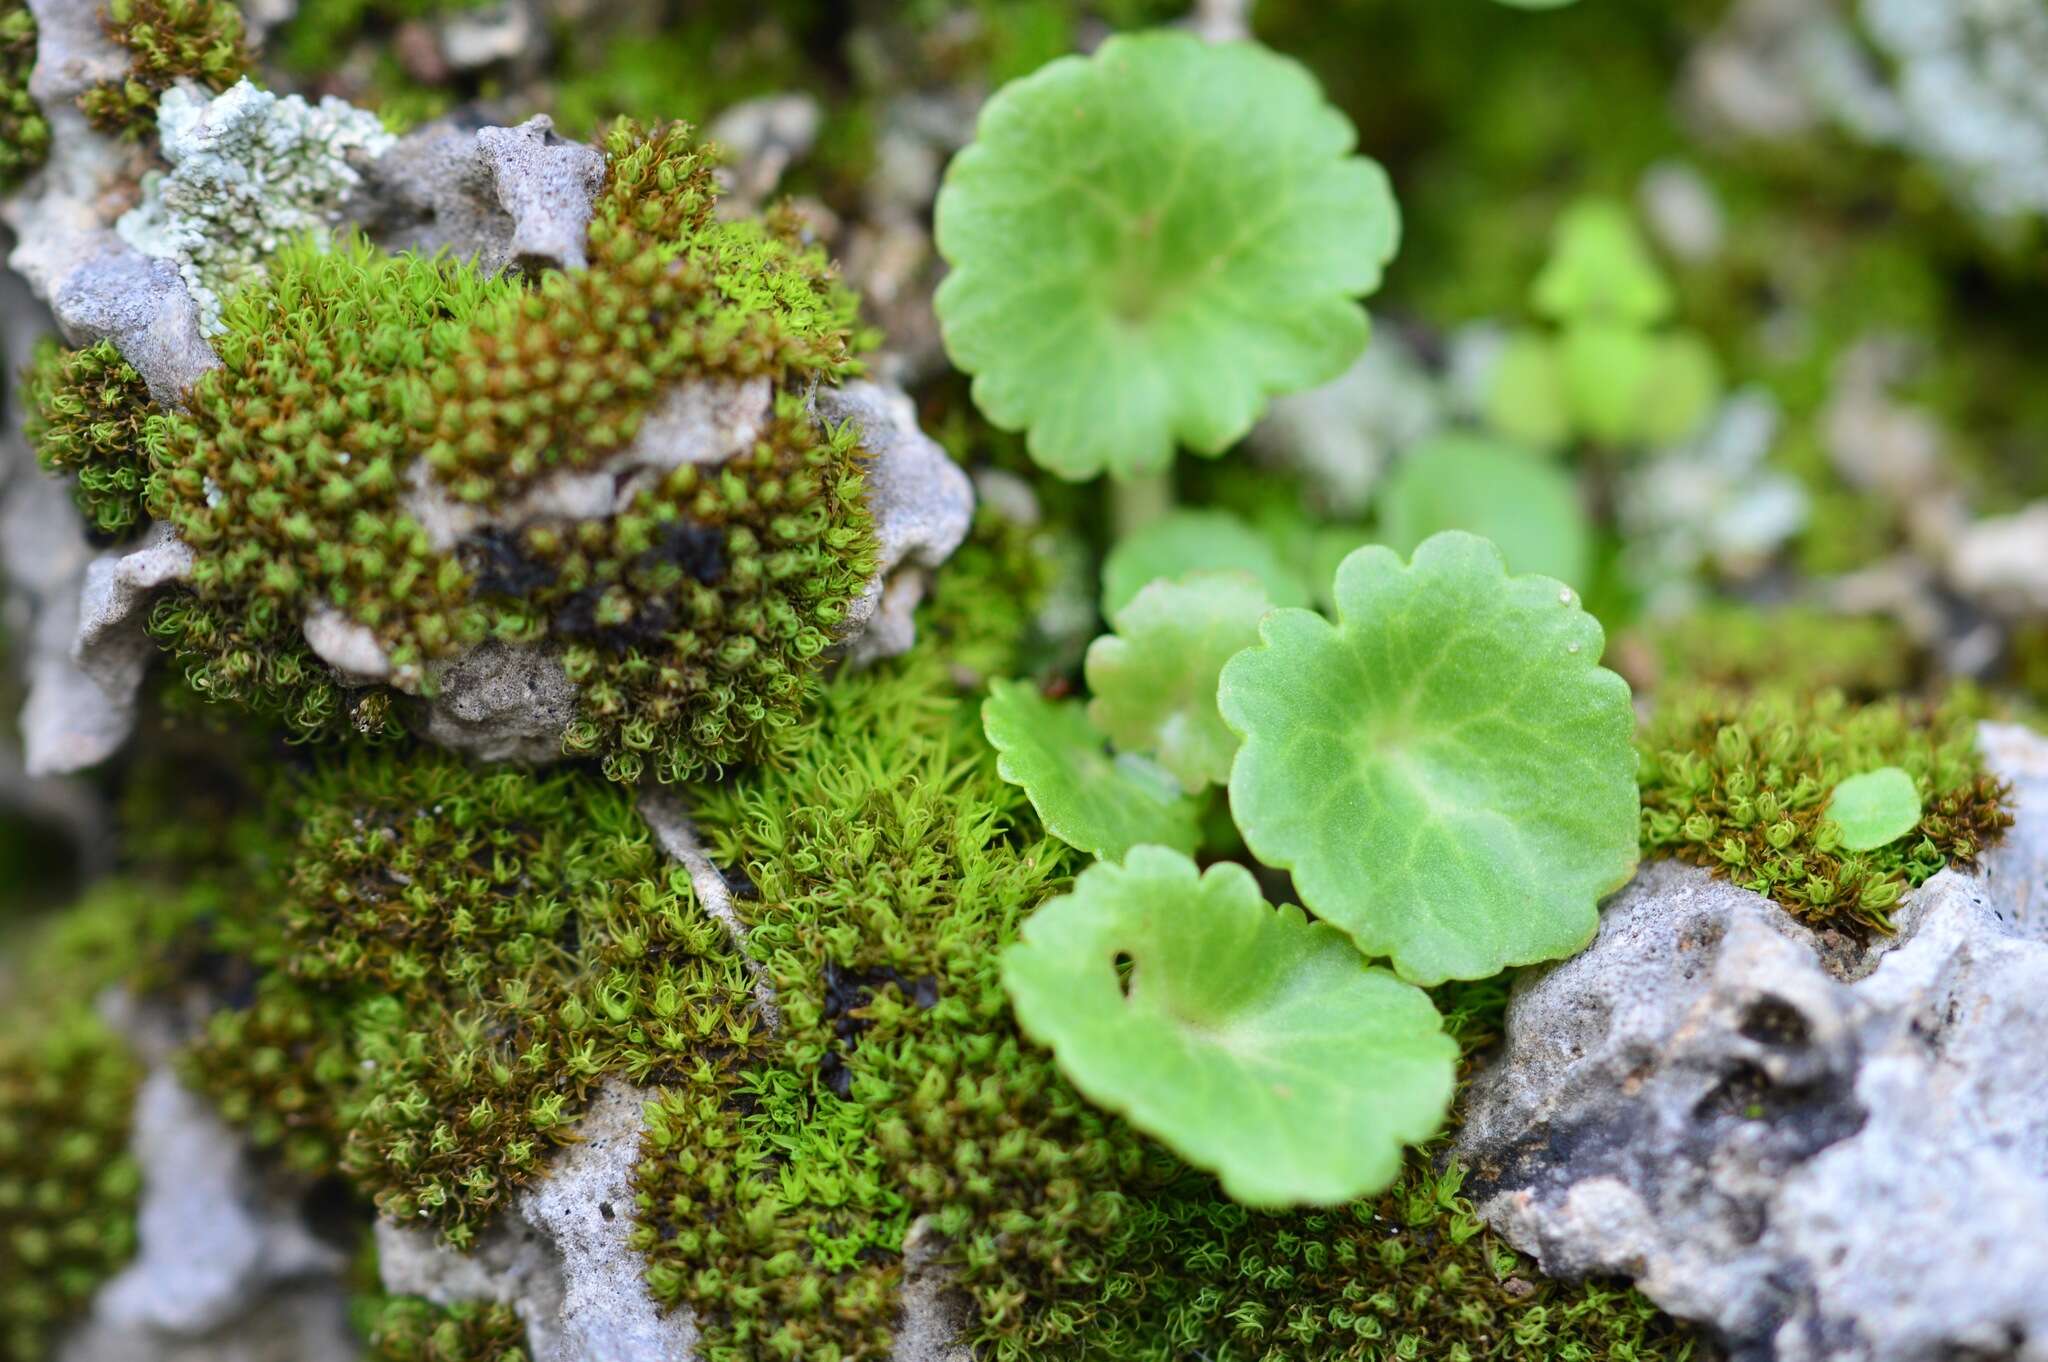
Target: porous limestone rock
(922,502)
(1828,1153)
(502,196)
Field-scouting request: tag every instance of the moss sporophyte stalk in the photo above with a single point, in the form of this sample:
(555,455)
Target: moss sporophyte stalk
(357,387)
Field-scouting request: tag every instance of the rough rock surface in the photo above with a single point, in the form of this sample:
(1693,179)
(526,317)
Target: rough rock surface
(923,504)
(1828,1158)
(227,1268)
(561,1256)
(506,196)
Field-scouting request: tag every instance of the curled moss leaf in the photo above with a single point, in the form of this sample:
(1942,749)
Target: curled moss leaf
(24,135)
(1528,507)
(1154,680)
(1149,243)
(1876,808)
(1084,797)
(1255,1043)
(1185,541)
(1447,770)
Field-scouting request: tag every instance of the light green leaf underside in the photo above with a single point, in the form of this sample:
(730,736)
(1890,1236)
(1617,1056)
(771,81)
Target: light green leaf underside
(1154,679)
(1085,798)
(1447,771)
(1876,808)
(1526,505)
(1148,243)
(1252,1042)
(1187,541)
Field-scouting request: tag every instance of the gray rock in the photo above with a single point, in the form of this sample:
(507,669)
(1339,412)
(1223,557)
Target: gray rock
(1827,1155)
(509,197)
(498,702)
(1342,436)
(297,1322)
(213,1241)
(2002,561)
(143,307)
(89,652)
(488,34)
(763,137)
(923,503)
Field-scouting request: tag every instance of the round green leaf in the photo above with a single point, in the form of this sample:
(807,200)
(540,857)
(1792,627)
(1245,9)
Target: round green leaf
(1526,398)
(1254,1043)
(1181,542)
(1448,770)
(1148,243)
(1527,506)
(1154,680)
(1085,798)
(1876,808)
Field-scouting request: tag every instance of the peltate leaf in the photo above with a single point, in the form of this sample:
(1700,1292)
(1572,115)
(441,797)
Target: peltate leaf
(1876,808)
(1528,506)
(1148,243)
(1447,770)
(1086,798)
(1154,679)
(1254,1043)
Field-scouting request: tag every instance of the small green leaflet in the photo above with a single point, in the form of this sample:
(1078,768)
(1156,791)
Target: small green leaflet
(1185,541)
(1876,808)
(1087,799)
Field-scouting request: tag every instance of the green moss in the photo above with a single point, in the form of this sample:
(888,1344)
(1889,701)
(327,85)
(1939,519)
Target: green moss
(693,622)
(443,962)
(410,1329)
(88,411)
(320,32)
(173,40)
(67,1185)
(24,136)
(1740,784)
(1735,646)
(881,869)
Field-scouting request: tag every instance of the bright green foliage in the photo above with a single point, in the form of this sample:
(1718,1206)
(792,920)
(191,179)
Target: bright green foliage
(67,1185)
(24,136)
(1608,374)
(447,960)
(1084,797)
(1528,507)
(411,1329)
(1148,243)
(1791,648)
(88,411)
(692,623)
(880,870)
(1154,679)
(880,874)
(1740,784)
(1600,269)
(1874,808)
(1186,540)
(173,40)
(1447,770)
(1252,1042)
